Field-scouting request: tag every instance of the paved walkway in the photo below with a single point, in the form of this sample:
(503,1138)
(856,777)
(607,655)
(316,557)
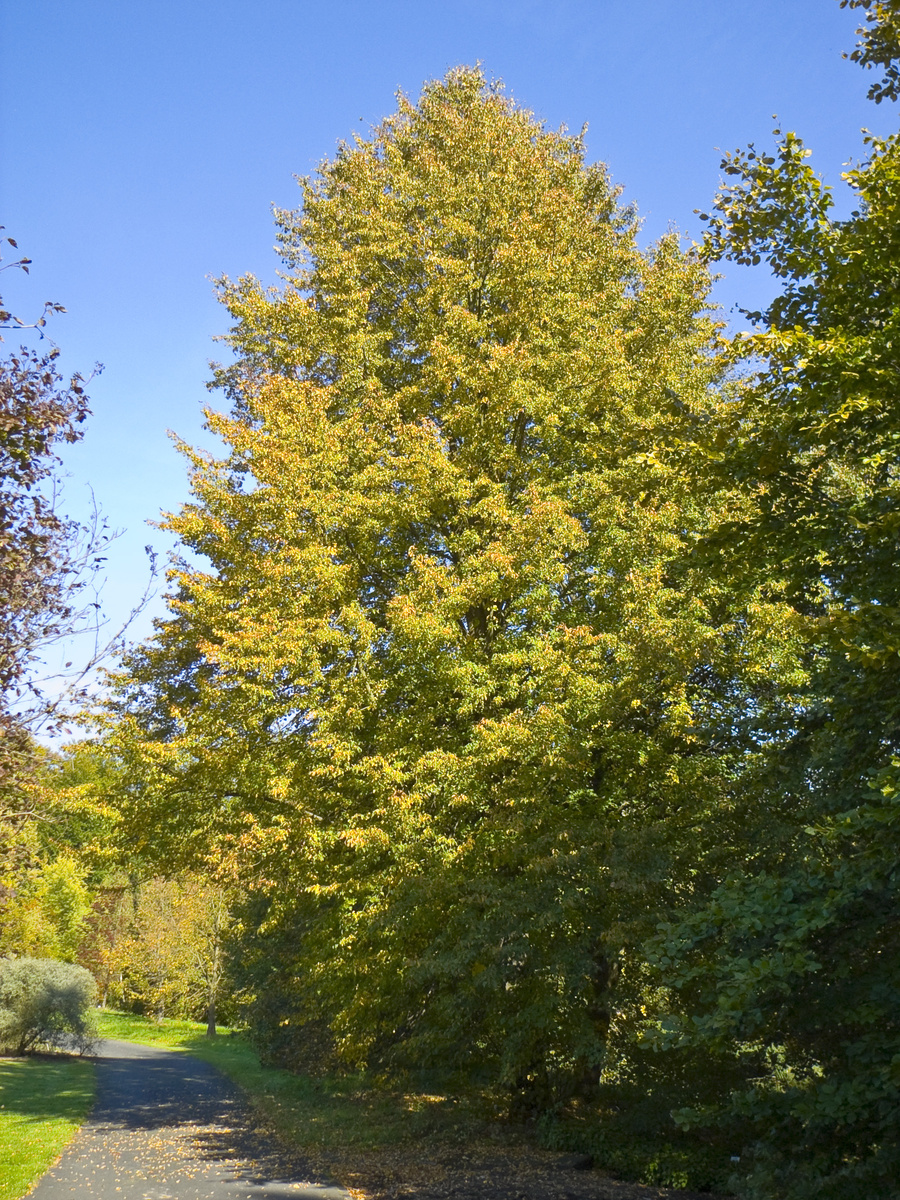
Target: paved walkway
(167,1126)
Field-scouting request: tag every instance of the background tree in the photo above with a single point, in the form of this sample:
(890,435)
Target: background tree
(798,967)
(49,566)
(152,942)
(47,918)
(455,686)
(36,411)
(67,899)
(171,959)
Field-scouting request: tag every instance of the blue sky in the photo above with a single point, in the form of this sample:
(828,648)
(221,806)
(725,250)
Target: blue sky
(143,144)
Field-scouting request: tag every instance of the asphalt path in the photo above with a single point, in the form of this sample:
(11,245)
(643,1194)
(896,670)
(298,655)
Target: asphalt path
(167,1126)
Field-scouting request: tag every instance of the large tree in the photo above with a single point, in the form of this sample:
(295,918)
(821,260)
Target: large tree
(454,678)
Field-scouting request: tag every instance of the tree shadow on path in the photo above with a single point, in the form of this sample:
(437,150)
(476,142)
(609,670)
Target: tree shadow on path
(167,1126)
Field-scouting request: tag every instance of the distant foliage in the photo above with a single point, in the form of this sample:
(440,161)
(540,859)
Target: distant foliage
(45,1003)
(47,917)
(170,961)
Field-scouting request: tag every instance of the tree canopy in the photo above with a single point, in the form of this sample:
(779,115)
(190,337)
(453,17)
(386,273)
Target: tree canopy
(455,676)
(527,701)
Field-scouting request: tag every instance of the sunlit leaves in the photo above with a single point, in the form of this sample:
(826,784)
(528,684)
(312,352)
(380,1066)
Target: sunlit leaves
(453,668)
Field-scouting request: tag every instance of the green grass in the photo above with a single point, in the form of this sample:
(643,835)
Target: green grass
(43,1100)
(329,1116)
(172,1035)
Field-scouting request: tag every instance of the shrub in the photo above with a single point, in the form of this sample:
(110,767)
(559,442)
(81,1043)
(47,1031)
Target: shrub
(44,1002)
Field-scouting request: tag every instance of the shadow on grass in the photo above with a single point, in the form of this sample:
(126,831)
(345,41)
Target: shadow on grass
(347,1110)
(46,1087)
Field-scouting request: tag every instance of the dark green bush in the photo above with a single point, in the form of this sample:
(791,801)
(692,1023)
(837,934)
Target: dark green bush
(45,1003)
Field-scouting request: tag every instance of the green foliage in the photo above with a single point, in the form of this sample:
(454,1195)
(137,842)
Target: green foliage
(265,968)
(169,957)
(793,969)
(879,45)
(65,901)
(68,835)
(661,1156)
(73,791)
(43,1002)
(801,972)
(456,686)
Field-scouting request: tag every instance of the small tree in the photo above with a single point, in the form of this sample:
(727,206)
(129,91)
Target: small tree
(43,1002)
(48,916)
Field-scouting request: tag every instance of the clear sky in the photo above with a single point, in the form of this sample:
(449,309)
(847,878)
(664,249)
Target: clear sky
(142,145)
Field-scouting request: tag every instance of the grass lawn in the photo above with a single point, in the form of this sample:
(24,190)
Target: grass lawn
(43,1100)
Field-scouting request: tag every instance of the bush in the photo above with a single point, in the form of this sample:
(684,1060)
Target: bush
(44,1002)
